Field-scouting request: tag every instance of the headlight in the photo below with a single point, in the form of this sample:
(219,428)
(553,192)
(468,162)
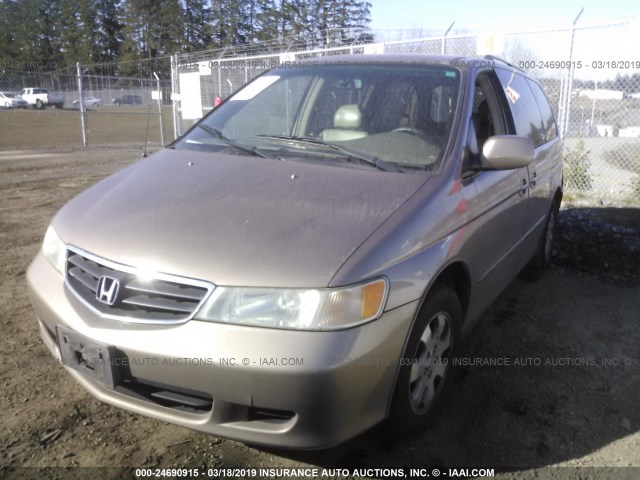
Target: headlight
(54,249)
(322,309)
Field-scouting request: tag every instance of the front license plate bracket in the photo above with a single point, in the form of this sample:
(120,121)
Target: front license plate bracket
(85,355)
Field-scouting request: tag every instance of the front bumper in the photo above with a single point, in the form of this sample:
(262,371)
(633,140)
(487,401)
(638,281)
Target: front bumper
(268,387)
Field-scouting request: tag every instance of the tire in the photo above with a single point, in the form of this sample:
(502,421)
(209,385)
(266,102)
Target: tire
(542,258)
(39,104)
(425,370)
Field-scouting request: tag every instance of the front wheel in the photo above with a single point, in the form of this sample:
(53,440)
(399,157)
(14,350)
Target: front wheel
(425,369)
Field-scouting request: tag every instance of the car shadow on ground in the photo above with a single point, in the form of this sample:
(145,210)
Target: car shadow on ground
(548,375)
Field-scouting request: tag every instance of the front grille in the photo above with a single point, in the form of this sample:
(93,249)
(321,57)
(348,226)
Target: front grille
(137,298)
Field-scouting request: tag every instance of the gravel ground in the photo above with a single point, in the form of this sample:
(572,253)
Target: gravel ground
(566,394)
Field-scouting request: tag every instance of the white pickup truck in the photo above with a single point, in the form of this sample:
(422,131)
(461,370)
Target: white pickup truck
(40,98)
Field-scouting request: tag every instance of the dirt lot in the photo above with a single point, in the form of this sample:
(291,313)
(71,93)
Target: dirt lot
(567,397)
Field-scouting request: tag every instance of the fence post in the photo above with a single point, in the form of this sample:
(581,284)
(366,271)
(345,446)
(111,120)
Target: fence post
(568,90)
(174,80)
(220,78)
(444,39)
(593,106)
(159,107)
(83,113)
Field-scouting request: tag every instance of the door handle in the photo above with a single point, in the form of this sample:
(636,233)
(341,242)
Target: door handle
(534,179)
(523,190)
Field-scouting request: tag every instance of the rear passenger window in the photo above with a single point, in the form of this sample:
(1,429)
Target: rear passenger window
(548,120)
(524,108)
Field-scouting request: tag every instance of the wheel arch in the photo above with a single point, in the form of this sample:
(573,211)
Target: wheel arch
(456,276)
(557,196)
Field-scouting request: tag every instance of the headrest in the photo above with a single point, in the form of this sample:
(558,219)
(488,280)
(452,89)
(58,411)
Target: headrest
(347,116)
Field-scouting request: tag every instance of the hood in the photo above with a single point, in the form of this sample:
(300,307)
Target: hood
(234,220)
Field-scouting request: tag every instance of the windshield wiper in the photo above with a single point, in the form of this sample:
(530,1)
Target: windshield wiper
(218,134)
(363,157)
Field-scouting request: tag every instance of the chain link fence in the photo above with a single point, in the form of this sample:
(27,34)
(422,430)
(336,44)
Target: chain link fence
(115,109)
(200,80)
(592,84)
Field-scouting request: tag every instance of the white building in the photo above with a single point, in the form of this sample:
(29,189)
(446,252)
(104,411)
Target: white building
(629,132)
(605,130)
(602,94)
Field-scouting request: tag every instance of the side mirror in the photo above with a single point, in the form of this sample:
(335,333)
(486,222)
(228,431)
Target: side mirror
(506,152)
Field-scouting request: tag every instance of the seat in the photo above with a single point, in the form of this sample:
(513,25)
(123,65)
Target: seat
(346,125)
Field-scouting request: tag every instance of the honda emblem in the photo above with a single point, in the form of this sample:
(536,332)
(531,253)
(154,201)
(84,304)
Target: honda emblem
(108,288)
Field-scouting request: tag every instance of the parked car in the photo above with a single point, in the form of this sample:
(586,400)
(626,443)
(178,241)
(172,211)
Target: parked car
(12,100)
(303,263)
(89,102)
(128,100)
(40,97)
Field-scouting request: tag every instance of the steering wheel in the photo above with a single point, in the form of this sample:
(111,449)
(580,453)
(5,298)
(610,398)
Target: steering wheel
(411,131)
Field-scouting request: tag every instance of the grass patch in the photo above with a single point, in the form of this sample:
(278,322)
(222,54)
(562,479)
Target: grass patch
(576,168)
(627,157)
(28,129)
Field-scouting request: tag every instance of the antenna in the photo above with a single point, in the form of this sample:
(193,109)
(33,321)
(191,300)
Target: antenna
(146,135)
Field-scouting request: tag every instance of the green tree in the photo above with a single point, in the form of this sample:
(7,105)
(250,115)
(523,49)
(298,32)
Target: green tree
(108,39)
(48,33)
(170,36)
(77,32)
(30,32)
(136,32)
(7,35)
(266,21)
(233,27)
(198,25)
(336,22)
(152,28)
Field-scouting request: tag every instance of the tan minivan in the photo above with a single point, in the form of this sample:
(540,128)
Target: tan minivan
(303,263)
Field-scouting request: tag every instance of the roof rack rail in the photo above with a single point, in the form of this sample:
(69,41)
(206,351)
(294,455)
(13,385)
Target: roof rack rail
(495,58)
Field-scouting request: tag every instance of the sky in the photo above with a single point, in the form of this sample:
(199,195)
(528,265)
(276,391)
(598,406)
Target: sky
(499,14)
(402,19)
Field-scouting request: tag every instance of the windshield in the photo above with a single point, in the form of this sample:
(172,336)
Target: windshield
(395,117)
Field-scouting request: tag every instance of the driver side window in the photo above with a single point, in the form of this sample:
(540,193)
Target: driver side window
(487,117)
